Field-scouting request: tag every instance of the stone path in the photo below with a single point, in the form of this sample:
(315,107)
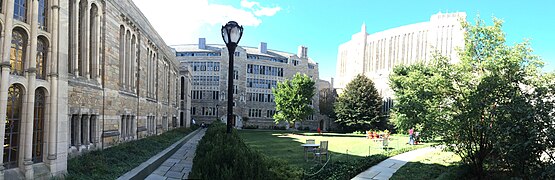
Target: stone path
(386,168)
(179,165)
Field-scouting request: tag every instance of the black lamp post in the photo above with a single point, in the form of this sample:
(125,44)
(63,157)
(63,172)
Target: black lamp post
(231,33)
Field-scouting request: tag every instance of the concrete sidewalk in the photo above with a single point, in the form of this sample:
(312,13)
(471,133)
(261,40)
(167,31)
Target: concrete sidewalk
(179,165)
(386,168)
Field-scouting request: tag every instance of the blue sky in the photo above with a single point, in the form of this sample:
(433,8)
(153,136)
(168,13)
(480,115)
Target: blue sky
(322,25)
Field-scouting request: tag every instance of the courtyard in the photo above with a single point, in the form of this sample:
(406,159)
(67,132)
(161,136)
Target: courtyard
(343,146)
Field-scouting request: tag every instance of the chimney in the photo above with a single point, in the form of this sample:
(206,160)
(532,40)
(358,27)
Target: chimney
(202,43)
(302,52)
(263,48)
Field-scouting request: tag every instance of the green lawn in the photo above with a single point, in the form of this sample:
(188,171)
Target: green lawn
(434,165)
(287,146)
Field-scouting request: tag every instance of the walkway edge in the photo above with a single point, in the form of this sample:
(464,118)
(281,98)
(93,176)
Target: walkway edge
(150,165)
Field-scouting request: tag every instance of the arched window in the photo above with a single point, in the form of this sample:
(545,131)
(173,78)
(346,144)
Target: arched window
(122,55)
(13,123)
(20,10)
(17,52)
(38,126)
(93,42)
(82,37)
(182,88)
(43,14)
(42,54)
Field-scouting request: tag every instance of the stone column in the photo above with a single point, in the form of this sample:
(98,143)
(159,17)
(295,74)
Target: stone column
(5,66)
(54,85)
(94,133)
(3,103)
(74,37)
(31,76)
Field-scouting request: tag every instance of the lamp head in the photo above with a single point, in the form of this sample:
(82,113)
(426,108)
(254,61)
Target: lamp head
(232,32)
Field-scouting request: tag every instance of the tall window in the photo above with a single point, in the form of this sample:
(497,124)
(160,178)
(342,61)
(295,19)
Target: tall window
(82,37)
(17,52)
(20,10)
(93,42)
(38,126)
(41,58)
(11,136)
(182,88)
(43,14)
(122,55)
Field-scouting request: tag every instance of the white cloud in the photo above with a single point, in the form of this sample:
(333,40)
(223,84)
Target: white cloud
(267,11)
(181,22)
(247,4)
(259,10)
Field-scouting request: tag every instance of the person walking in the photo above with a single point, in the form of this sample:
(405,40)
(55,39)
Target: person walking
(411,137)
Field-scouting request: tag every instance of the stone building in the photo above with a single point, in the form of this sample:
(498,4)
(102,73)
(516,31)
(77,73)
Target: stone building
(375,55)
(77,76)
(256,70)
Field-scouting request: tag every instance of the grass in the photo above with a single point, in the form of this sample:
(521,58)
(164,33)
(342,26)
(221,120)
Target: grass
(434,165)
(115,161)
(287,145)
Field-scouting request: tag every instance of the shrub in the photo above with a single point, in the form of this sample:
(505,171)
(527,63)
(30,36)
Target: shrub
(225,156)
(115,161)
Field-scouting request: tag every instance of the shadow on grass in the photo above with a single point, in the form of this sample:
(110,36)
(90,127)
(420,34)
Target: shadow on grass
(418,170)
(331,135)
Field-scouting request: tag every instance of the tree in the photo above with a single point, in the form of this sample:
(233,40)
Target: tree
(359,106)
(495,106)
(420,96)
(502,106)
(328,97)
(293,99)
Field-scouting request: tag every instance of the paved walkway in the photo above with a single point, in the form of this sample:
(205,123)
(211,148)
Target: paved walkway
(386,168)
(179,165)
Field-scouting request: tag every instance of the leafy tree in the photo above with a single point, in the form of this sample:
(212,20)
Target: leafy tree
(293,98)
(502,105)
(359,106)
(496,107)
(420,94)
(328,96)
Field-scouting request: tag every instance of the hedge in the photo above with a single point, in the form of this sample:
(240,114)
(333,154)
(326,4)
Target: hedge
(225,156)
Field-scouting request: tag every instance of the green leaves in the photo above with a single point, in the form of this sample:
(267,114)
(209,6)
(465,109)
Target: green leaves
(359,106)
(494,109)
(293,98)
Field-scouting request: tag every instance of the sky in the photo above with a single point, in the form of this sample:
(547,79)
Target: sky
(322,25)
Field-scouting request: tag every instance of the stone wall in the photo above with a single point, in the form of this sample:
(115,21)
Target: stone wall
(109,99)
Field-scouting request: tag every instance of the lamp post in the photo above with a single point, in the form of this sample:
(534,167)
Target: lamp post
(231,33)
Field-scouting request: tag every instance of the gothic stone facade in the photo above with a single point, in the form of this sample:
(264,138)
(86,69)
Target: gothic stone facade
(76,76)
(257,70)
(375,55)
